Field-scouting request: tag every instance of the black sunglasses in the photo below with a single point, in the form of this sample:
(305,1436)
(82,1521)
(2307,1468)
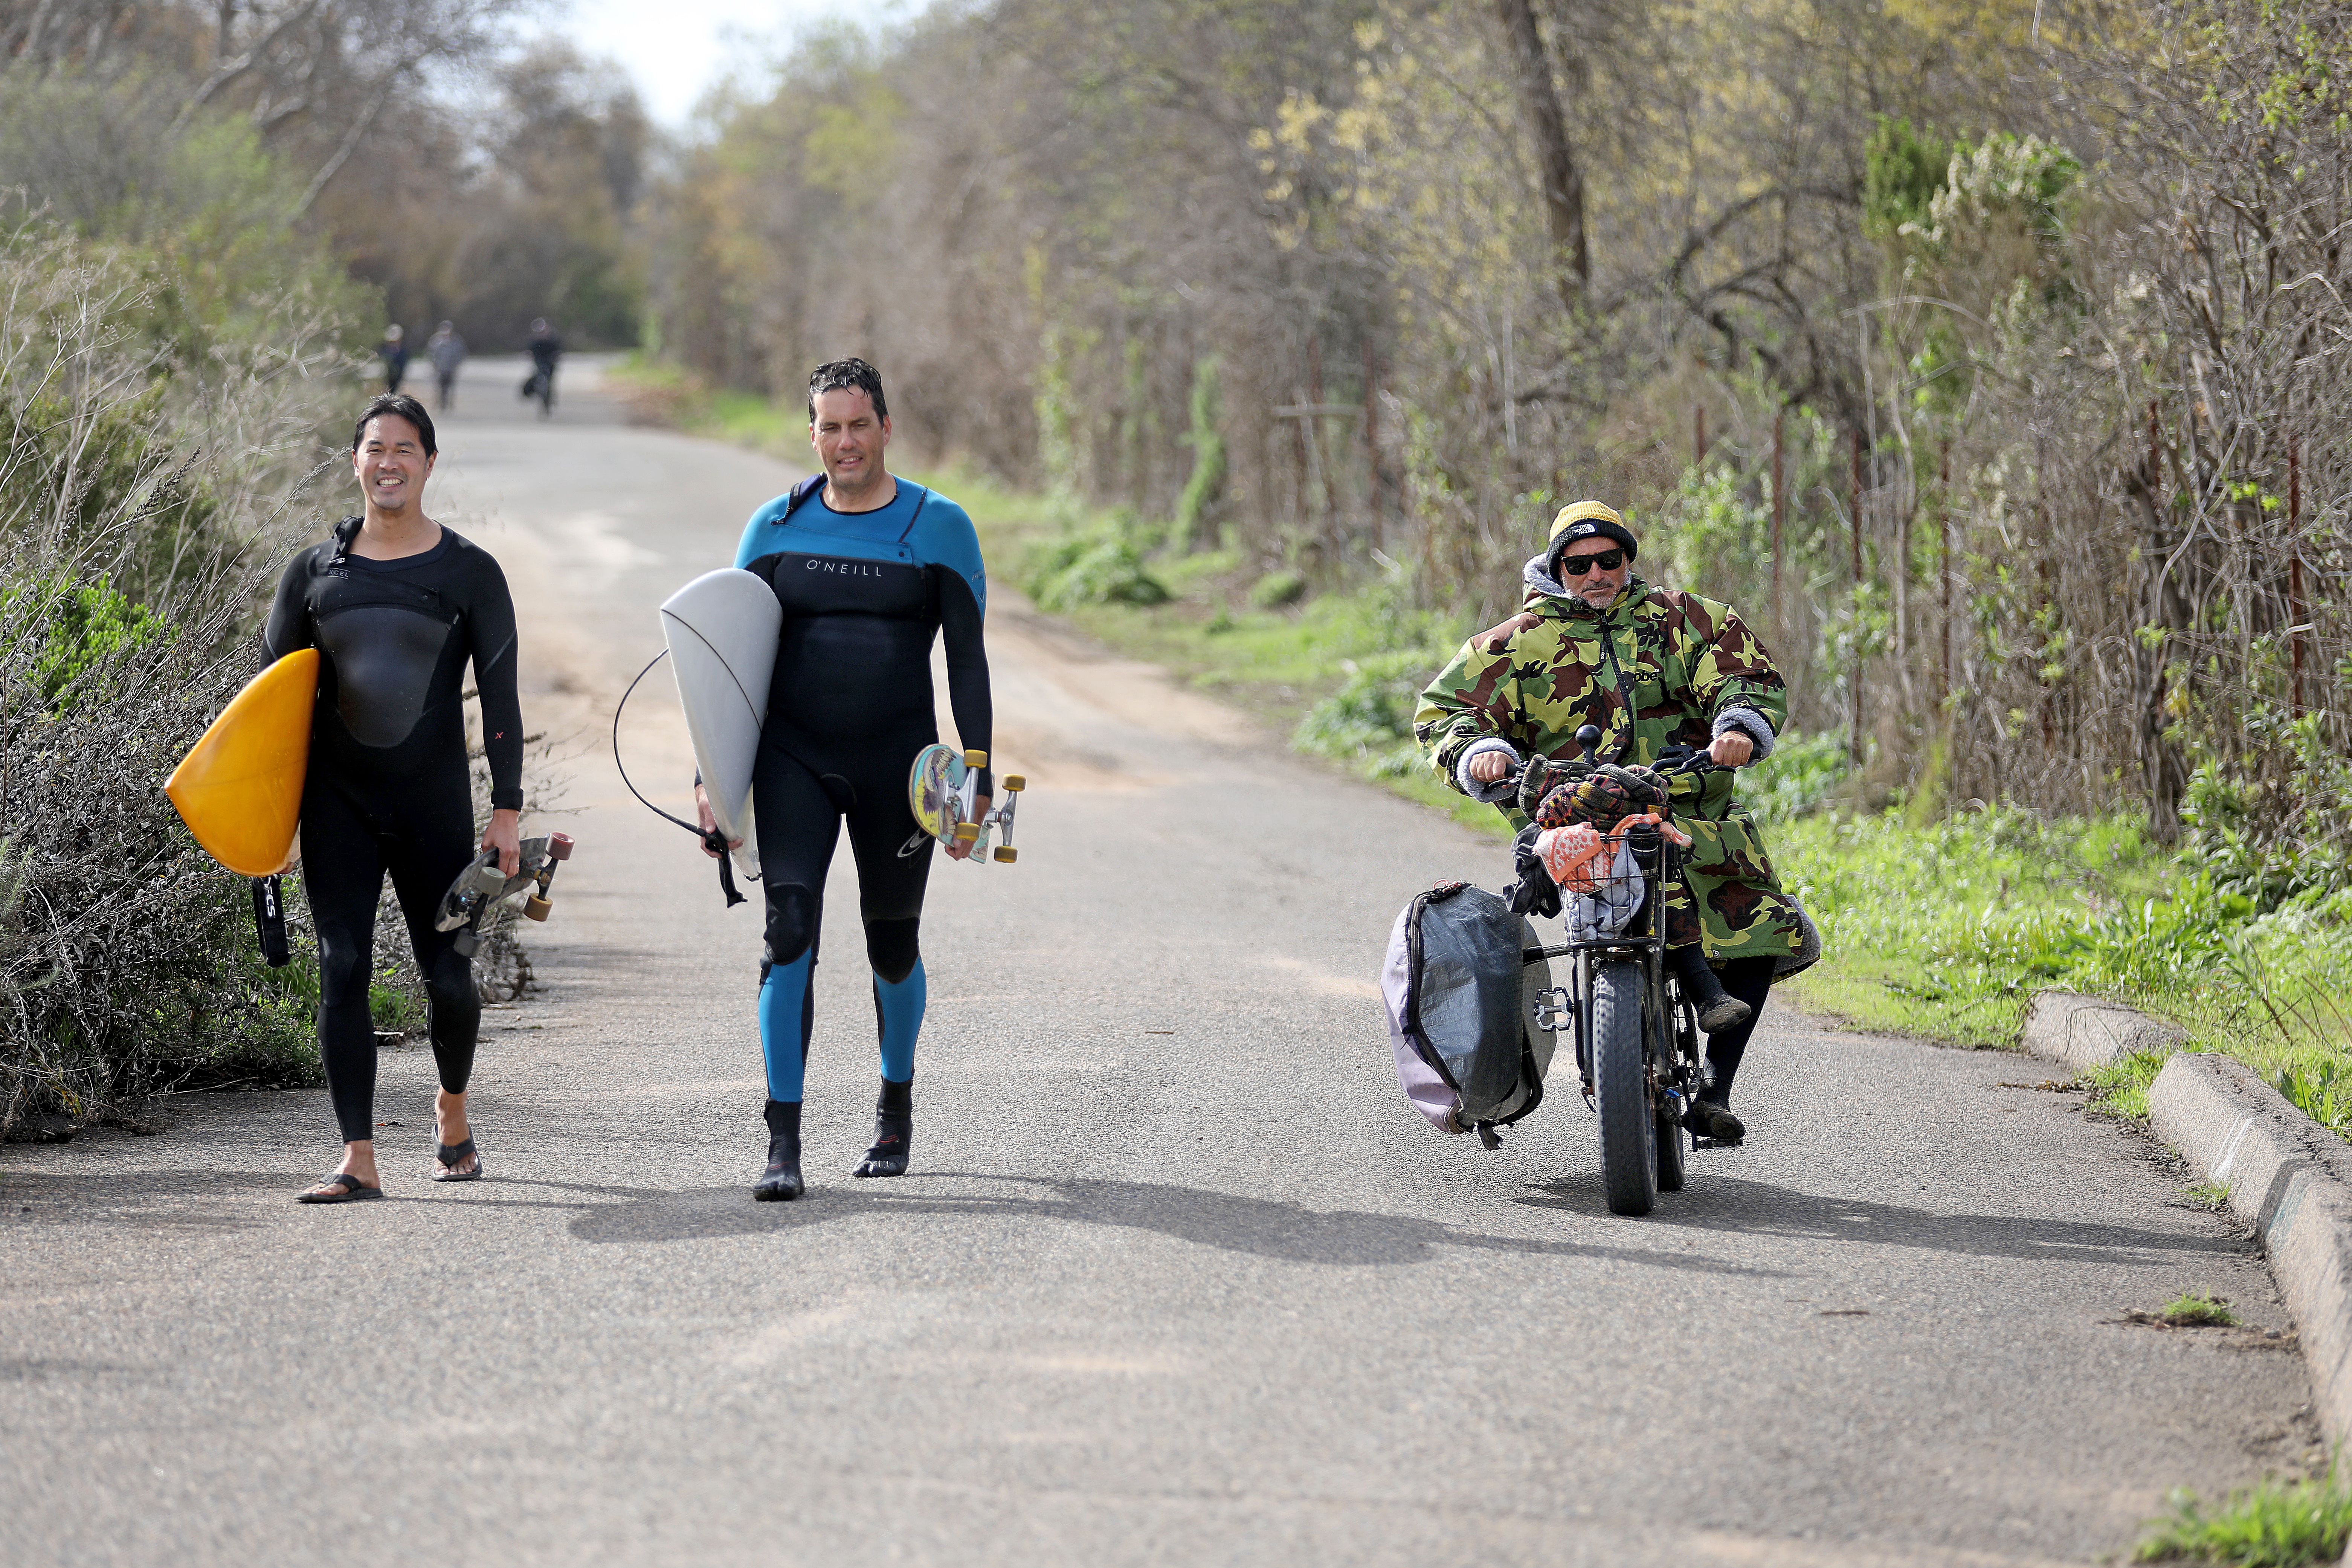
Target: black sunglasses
(1577,565)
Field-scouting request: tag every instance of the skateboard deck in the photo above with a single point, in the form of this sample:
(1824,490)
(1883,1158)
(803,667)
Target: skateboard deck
(942,791)
(482,887)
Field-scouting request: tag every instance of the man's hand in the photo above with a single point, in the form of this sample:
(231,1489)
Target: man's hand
(709,824)
(505,835)
(1732,748)
(962,850)
(1490,767)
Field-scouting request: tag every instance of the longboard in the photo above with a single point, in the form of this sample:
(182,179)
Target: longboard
(942,789)
(240,788)
(721,631)
(482,887)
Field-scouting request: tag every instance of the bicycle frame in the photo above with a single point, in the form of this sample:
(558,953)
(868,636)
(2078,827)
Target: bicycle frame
(1669,1033)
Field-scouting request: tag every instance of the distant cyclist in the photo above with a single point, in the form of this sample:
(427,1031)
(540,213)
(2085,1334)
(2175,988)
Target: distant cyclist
(546,348)
(1652,668)
(871,569)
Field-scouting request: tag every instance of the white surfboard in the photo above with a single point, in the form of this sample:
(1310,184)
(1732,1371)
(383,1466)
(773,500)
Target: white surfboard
(721,631)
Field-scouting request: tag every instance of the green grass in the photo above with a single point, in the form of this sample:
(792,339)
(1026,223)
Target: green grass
(2274,1524)
(2199,1309)
(1945,930)
(2214,1195)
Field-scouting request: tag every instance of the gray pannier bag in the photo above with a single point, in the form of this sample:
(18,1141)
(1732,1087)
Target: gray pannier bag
(1461,979)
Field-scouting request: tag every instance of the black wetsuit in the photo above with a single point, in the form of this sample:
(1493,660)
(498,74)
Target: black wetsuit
(865,594)
(388,786)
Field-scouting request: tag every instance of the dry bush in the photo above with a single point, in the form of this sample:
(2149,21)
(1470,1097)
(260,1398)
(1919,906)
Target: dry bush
(150,481)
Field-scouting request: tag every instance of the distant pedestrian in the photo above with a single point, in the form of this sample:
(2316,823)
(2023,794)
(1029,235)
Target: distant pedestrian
(447,349)
(545,349)
(395,354)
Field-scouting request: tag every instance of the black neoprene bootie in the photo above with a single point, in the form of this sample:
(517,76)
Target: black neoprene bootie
(781,1182)
(894,1131)
(1717,1008)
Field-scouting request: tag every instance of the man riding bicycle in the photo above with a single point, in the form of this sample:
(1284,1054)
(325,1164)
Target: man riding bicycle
(1652,668)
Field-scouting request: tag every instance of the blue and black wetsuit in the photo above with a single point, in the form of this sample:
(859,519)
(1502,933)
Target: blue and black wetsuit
(388,786)
(864,595)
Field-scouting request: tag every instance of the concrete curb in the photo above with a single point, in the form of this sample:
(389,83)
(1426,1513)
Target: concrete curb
(2287,1176)
(2090,1032)
(2290,1179)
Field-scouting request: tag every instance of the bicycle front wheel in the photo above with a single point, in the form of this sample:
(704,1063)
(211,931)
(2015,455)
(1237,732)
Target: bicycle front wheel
(1629,1154)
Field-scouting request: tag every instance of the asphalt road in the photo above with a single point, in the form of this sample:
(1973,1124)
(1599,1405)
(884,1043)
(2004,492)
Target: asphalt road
(1179,1278)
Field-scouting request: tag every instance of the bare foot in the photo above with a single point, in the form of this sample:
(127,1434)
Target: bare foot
(450,1126)
(359,1164)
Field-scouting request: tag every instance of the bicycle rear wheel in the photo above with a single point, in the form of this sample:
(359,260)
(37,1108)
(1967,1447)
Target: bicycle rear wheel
(1629,1154)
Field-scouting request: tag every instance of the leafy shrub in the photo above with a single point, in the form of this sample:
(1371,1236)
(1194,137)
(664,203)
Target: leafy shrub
(1103,565)
(1368,720)
(1276,589)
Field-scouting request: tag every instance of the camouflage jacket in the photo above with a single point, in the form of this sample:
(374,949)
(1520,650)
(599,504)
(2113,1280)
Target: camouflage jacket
(1653,670)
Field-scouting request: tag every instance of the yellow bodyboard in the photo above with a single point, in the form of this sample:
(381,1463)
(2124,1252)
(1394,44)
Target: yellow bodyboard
(240,789)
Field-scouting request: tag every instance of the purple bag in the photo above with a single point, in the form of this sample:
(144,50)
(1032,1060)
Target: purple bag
(1462,978)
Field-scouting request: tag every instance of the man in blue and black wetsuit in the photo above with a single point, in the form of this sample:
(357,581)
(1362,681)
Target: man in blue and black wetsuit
(869,569)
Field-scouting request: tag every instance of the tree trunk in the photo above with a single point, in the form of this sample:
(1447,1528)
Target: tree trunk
(1563,182)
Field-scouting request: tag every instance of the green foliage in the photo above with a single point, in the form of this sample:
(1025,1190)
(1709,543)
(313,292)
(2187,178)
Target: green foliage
(2322,1092)
(1368,720)
(2199,1309)
(1903,169)
(1276,589)
(1101,565)
(2120,1089)
(1204,487)
(2274,1524)
(74,627)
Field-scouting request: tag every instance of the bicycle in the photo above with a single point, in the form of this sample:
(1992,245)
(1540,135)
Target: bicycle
(1638,1049)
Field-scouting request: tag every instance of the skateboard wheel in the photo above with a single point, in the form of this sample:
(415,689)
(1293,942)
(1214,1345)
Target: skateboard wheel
(1006,854)
(536,908)
(966,832)
(1015,783)
(975,759)
(559,846)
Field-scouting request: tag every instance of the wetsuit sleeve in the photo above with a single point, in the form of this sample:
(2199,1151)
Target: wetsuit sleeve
(967,658)
(491,630)
(289,626)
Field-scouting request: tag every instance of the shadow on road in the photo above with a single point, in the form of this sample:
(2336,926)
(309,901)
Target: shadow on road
(1753,1208)
(150,1200)
(1288,1232)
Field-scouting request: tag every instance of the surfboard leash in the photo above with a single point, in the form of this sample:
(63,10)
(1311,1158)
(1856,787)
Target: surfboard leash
(713,841)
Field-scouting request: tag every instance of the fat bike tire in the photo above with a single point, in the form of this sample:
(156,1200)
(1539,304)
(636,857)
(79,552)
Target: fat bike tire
(1629,1141)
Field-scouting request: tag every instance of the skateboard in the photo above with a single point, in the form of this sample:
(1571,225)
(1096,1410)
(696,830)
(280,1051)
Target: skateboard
(943,790)
(482,887)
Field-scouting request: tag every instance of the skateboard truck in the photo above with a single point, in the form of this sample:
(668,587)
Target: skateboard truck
(974,830)
(482,887)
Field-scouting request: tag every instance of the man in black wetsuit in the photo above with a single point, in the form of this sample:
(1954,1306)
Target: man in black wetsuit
(869,569)
(397,606)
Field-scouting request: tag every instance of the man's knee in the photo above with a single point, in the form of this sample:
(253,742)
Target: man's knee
(893,947)
(449,983)
(342,970)
(791,922)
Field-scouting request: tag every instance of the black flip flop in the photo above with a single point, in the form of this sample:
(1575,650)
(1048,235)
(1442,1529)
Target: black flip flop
(450,1154)
(351,1190)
